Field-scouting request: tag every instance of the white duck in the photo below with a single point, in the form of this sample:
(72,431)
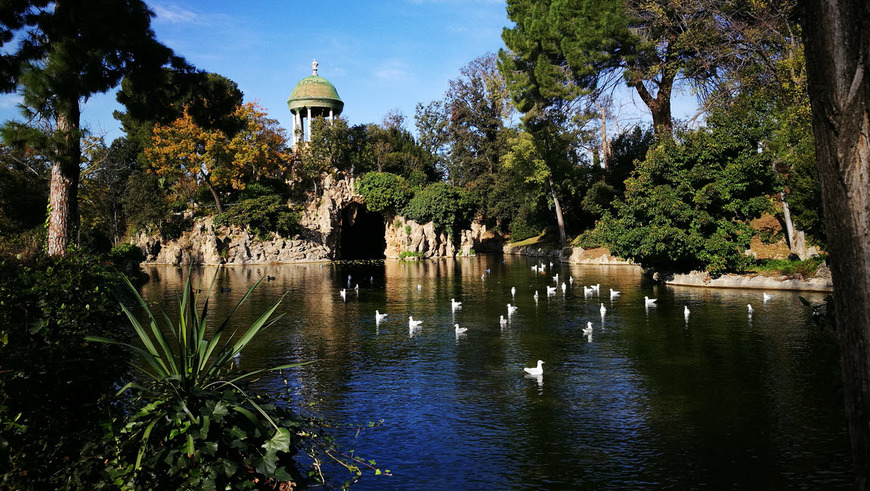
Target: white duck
(513,291)
(603,310)
(459,330)
(455,305)
(379,316)
(343,294)
(686,312)
(412,323)
(588,329)
(749,308)
(649,302)
(538,370)
(502,321)
(551,290)
(511,309)
(766,296)
(614,294)
(564,287)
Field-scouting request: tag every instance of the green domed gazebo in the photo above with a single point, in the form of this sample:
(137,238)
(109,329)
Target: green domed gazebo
(313,96)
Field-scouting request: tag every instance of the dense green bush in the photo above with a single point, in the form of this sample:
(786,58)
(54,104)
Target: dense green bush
(53,383)
(263,214)
(687,206)
(384,191)
(448,207)
(523,227)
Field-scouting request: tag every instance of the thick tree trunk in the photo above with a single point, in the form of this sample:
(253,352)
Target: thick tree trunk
(789,224)
(660,105)
(563,237)
(837,35)
(63,218)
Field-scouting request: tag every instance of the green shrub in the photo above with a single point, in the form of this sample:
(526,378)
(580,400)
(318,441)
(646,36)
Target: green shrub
(384,191)
(590,239)
(54,385)
(411,254)
(448,207)
(522,228)
(264,214)
(687,206)
(786,267)
(126,257)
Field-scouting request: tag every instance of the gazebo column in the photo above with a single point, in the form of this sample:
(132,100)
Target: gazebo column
(309,125)
(299,127)
(331,117)
(293,128)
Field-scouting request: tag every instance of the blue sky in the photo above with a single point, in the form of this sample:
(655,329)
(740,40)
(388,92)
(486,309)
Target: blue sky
(380,55)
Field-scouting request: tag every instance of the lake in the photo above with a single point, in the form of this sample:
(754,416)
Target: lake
(651,400)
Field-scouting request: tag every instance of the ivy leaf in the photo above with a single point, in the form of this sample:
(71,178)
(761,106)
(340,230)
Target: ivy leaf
(280,441)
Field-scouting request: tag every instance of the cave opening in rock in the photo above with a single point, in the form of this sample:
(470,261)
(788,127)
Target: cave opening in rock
(363,233)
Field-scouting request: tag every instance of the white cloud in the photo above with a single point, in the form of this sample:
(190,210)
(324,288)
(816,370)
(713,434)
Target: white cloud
(172,13)
(393,71)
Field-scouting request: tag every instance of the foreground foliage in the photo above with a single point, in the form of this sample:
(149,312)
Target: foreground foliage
(54,387)
(195,424)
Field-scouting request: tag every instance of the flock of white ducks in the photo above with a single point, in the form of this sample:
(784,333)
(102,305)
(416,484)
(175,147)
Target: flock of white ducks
(537,370)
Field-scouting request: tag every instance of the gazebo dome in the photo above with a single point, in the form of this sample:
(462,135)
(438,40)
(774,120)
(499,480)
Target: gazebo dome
(315,92)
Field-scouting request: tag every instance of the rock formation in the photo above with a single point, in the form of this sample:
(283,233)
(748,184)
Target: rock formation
(319,240)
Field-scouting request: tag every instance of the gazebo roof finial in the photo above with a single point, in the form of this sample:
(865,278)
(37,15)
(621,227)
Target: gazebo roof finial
(314,67)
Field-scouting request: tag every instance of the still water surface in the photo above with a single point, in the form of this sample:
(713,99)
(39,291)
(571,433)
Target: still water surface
(651,401)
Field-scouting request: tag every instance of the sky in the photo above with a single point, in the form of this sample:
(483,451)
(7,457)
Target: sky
(381,56)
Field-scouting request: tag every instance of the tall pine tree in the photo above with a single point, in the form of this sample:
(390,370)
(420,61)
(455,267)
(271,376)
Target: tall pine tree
(67,51)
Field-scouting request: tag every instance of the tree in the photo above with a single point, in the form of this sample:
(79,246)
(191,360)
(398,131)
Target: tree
(477,106)
(837,37)
(186,153)
(384,191)
(68,51)
(24,177)
(536,157)
(567,49)
(162,97)
(762,56)
(394,149)
(688,204)
(259,148)
(103,187)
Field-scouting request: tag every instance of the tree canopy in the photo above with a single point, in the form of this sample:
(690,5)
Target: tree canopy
(186,154)
(68,51)
(688,203)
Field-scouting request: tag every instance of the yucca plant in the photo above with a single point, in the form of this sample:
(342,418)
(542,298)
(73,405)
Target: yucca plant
(196,426)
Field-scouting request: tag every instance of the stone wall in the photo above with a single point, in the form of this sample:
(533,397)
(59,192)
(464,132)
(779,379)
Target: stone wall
(820,283)
(405,235)
(319,239)
(207,244)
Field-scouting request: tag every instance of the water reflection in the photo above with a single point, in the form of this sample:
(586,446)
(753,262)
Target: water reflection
(646,400)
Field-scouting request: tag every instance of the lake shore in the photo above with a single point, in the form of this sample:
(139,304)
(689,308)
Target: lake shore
(820,282)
